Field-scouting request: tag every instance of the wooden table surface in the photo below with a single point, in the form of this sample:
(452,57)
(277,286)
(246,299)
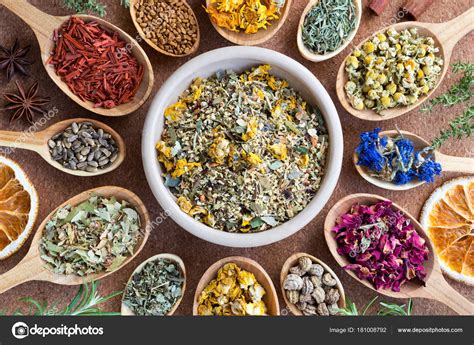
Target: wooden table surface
(55,187)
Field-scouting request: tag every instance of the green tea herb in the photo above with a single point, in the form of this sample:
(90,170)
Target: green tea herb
(458,93)
(86,6)
(459,128)
(328,24)
(84,303)
(96,235)
(155,289)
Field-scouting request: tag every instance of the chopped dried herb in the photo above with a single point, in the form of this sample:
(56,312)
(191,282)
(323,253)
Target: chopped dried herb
(14,59)
(96,235)
(243,152)
(25,104)
(155,289)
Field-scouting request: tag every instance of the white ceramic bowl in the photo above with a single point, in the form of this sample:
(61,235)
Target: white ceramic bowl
(239,58)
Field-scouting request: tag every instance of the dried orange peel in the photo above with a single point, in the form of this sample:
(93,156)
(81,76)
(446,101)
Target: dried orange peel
(18,207)
(448,217)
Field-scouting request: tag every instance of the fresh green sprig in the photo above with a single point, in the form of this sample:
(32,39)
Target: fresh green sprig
(458,93)
(392,309)
(85,303)
(386,309)
(459,128)
(86,6)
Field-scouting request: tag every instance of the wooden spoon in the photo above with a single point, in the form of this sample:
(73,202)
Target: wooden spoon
(43,25)
(293,261)
(445,36)
(436,287)
(38,142)
(308,54)
(270,298)
(32,266)
(448,163)
(261,36)
(126,311)
(133,13)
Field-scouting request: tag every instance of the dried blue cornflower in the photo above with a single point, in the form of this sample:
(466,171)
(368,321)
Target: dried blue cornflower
(369,150)
(428,170)
(404,177)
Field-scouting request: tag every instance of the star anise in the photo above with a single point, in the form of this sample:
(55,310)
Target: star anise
(25,104)
(14,60)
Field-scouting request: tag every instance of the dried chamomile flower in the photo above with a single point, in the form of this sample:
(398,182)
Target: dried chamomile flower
(293,282)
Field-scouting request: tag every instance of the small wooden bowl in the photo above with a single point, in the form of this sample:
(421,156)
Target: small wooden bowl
(270,298)
(308,54)
(261,36)
(133,14)
(126,311)
(293,261)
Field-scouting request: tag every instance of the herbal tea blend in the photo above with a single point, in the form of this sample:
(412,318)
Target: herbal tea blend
(82,146)
(243,152)
(247,16)
(235,292)
(96,235)
(312,289)
(392,69)
(382,245)
(169,24)
(395,159)
(95,64)
(328,24)
(155,289)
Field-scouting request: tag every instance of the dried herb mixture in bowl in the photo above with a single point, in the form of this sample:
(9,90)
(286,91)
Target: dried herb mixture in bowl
(243,152)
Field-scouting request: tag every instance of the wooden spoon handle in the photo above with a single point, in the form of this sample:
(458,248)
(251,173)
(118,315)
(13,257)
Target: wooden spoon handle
(456,164)
(30,268)
(449,33)
(441,291)
(42,24)
(33,141)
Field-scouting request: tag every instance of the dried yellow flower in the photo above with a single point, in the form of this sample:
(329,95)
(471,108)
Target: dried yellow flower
(252,128)
(182,166)
(279,151)
(174,111)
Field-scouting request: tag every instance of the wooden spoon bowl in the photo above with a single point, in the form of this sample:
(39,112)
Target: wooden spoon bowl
(32,267)
(126,311)
(38,142)
(270,298)
(445,36)
(261,36)
(448,163)
(133,14)
(293,261)
(44,25)
(436,287)
(308,54)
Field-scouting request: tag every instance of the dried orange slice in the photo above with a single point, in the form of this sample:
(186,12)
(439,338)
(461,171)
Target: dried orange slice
(18,207)
(448,217)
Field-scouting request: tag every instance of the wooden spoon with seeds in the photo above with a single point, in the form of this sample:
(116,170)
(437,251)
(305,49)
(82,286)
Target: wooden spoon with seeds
(32,267)
(261,36)
(448,163)
(134,15)
(445,36)
(435,288)
(44,25)
(38,142)
(126,311)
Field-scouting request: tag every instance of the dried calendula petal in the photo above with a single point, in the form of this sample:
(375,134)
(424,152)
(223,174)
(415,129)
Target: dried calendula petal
(234,292)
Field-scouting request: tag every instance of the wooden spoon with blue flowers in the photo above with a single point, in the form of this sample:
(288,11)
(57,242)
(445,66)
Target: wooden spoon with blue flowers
(401,160)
